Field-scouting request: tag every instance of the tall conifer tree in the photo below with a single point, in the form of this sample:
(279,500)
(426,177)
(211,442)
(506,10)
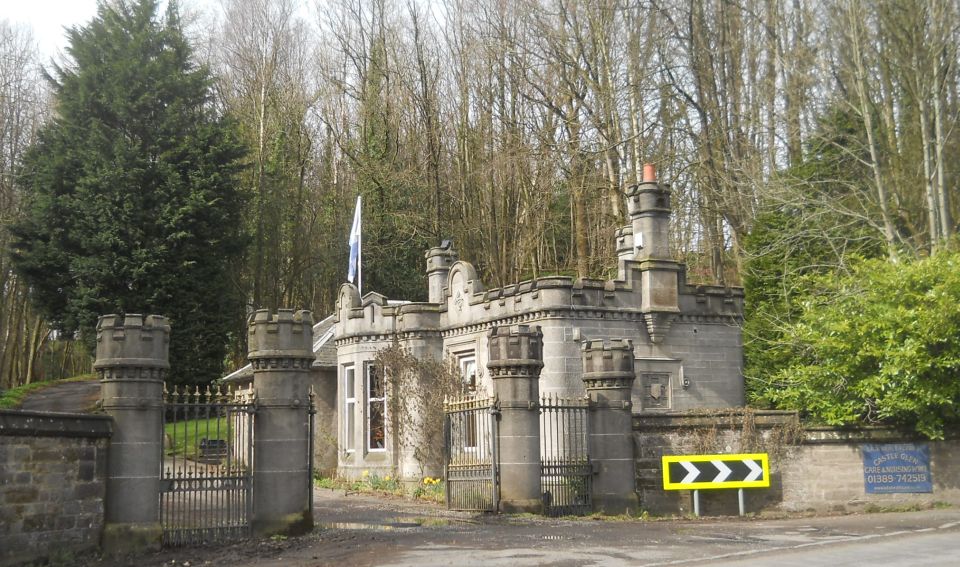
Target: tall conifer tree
(132,200)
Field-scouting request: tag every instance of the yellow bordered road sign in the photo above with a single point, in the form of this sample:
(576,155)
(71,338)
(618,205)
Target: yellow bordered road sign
(698,472)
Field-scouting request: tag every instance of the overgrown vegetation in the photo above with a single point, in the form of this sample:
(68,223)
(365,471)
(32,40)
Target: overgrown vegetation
(878,343)
(738,428)
(416,390)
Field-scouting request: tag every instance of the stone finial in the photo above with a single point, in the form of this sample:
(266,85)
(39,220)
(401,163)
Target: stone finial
(284,337)
(439,261)
(440,258)
(608,364)
(515,351)
(133,341)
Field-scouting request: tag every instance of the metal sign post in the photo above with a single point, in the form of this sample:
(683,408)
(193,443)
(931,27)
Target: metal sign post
(696,472)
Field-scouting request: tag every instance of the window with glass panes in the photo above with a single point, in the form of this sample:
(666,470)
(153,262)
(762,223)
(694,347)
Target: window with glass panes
(376,409)
(349,408)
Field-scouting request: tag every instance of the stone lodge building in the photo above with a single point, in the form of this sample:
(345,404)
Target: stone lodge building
(686,339)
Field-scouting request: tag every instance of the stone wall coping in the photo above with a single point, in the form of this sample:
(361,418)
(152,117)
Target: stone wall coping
(51,424)
(825,435)
(549,313)
(719,418)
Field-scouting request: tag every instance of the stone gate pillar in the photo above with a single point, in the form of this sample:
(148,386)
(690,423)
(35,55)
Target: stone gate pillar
(515,361)
(132,361)
(608,376)
(281,352)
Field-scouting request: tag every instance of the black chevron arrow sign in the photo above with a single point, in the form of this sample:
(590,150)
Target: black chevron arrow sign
(694,472)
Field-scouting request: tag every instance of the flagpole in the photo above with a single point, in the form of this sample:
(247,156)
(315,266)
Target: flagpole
(360,247)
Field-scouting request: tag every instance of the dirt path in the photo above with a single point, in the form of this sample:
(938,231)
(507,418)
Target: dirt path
(71,397)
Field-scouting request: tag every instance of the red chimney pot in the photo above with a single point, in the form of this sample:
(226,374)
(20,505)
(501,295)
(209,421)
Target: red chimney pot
(649,173)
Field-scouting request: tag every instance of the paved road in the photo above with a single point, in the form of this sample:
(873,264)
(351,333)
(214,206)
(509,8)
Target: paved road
(361,531)
(71,397)
(917,549)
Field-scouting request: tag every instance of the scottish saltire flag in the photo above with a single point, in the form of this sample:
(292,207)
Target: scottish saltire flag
(354,242)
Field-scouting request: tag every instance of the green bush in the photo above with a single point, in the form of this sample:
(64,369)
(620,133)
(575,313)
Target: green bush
(878,344)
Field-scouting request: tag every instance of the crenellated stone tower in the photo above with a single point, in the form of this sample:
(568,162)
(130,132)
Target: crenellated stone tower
(281,352)
(608,376)
(516,357)
(132,361)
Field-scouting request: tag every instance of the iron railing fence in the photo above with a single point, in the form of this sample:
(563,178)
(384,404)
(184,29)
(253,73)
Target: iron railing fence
(470,435)
(206,492)
(565,468)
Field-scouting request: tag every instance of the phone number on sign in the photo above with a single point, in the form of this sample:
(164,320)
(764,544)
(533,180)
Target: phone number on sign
(881,478)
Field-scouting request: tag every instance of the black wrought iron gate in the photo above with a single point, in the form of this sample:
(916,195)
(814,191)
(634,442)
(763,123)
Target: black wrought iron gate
(565,468)
(470,431)
(206,485)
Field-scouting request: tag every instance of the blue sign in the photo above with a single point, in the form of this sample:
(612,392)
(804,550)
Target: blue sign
(896,467)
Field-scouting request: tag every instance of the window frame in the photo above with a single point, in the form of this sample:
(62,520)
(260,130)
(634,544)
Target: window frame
(369,400)
(349,408)
(464,359)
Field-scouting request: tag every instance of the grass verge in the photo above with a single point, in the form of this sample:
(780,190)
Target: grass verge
(428,489)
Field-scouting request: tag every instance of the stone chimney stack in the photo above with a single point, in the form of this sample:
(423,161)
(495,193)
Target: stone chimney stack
(439,261)
(649,207)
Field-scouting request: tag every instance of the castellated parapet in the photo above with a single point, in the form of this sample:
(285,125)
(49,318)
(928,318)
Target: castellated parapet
(608,364)
(515,351)
(132,347)
(281,341)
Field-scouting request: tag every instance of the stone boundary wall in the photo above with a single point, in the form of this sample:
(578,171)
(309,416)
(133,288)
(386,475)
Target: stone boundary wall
(53,471)
(825,472)
(813,469)
(707,432)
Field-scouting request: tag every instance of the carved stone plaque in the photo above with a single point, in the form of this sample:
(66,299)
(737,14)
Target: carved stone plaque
(656,390)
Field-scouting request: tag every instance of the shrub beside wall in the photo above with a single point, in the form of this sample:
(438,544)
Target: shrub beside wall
(52,484)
